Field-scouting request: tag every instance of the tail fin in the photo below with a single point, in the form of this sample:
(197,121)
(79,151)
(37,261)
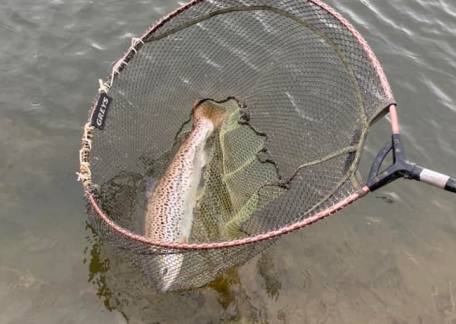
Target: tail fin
(170,266)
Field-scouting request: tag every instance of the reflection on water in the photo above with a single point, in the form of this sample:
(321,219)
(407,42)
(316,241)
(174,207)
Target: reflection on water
(376,262)
(98,266)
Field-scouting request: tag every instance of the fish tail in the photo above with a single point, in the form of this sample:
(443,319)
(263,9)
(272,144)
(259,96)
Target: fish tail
(170,267)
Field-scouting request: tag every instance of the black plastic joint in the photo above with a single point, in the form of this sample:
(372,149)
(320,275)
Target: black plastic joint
(399,169)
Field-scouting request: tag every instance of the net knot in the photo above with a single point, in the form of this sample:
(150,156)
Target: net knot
(134,42)
(117,67)
(103,86)
(85,174)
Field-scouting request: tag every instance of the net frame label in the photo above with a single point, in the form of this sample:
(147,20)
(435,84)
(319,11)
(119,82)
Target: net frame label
(101,111)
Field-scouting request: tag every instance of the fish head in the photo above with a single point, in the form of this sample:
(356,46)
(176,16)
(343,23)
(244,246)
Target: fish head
(209,110)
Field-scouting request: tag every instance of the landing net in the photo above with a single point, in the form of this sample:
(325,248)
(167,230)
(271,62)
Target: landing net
(301,88)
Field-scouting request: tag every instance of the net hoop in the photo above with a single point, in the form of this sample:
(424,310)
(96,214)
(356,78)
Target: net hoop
(219,245)
(137,43)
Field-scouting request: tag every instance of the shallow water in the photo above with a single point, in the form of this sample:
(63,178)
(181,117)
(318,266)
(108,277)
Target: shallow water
(389,258)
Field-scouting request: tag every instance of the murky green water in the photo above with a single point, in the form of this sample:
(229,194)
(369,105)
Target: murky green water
(389,258)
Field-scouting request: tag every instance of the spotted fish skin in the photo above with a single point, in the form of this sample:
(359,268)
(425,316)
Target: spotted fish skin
(169,213)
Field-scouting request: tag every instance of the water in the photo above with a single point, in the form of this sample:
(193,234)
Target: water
(389,258)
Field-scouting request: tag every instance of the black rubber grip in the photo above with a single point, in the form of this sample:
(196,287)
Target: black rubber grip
(451,185)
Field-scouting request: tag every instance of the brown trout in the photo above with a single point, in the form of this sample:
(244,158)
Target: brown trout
(169,213)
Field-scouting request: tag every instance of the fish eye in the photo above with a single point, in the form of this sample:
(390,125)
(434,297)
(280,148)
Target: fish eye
(165,271)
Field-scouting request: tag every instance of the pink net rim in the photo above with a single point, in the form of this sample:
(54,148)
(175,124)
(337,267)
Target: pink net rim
(233,243)
(119,65)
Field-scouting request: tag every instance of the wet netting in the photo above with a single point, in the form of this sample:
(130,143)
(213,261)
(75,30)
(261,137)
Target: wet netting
(252,113)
